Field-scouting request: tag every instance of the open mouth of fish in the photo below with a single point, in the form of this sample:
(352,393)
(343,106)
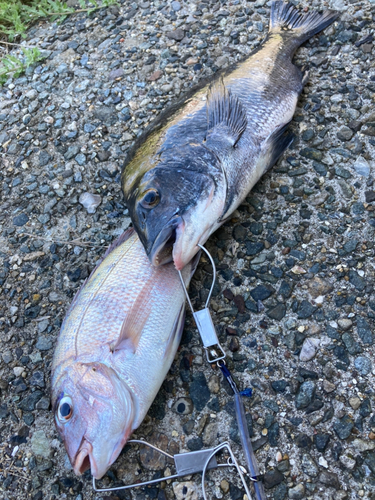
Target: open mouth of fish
(161,251)
(82,462)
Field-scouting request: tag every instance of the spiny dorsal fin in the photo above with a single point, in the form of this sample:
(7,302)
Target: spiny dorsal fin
(226,117)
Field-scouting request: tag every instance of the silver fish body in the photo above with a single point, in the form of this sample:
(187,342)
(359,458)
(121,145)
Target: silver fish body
(195,165)
(115,347)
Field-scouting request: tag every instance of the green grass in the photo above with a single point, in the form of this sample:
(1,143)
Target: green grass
(17,15)
(12,65)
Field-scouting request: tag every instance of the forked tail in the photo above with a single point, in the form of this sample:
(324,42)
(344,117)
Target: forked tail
(289,21)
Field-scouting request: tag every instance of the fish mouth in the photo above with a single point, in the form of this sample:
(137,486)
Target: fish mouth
(84,459)
(161,251)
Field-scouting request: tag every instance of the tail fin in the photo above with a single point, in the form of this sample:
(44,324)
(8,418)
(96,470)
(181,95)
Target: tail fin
(286,18)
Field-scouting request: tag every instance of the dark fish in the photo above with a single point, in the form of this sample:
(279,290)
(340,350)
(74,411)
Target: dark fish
(197,163)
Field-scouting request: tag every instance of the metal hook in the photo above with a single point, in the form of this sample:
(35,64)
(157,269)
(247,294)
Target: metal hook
(203,320)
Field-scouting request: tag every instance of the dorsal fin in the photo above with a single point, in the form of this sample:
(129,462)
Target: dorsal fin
(226,118)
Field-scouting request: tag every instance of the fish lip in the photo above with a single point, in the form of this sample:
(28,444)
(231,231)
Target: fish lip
(159,253)
(84,459)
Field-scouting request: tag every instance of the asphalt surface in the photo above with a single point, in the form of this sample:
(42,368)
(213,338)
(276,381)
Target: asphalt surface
(294,302)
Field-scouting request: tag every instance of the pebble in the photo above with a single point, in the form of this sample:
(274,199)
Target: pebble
(362,167)
(90,201)
(343,427)
(297,492)
(345,324)
(363,365)
(309,349)
(305,394)
(186,490)
(40,444)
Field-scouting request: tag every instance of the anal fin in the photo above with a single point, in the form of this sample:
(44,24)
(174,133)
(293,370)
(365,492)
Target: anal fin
(276,144)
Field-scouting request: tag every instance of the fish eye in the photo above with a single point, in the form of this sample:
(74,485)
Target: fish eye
(150,199)
(65,410)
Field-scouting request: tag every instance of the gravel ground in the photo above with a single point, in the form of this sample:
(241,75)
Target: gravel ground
(294,301)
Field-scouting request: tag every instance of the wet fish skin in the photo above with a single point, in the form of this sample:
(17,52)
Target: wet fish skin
(115,347)
(198,163)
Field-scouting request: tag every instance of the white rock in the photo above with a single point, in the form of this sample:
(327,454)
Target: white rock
(185,491)
(323,462)
(360,445)
(40,444)
(17,370)
(309,349)
(90,201)
(362,167)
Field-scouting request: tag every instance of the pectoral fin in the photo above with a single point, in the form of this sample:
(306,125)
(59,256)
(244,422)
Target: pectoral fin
(134,323)
(176,332)
(276,144)
(226,118)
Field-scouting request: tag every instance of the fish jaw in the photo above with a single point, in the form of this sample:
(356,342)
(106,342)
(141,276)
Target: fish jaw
(198,225)
(161,251)
(100,459)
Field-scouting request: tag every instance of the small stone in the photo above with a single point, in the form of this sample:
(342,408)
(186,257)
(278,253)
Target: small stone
(150,458)
(277,312)
(177,34)
(308,465)
(364,331)
(262,292)
(116,73)
(360,446)
(305,309)
(176,6)
(90,201)
(309,349)
(20,220)
(328,386)
(44,343)
(224,485)
(370,196)
(347,462)
(199,391)
(155,75)
(214,384)
(186,490)
(297,493)
(305,394)
(343,427)
(345,323)
(40,444)
(329,479)
(272,478)
(345,133)
(362,167)
(363,365)
(321,441)
(319,286)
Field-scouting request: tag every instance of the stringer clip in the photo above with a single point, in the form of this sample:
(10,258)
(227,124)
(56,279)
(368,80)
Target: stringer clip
(203,320)
(186,464)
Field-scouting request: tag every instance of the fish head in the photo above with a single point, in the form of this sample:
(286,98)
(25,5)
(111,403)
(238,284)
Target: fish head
(94,414)
(176,204)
